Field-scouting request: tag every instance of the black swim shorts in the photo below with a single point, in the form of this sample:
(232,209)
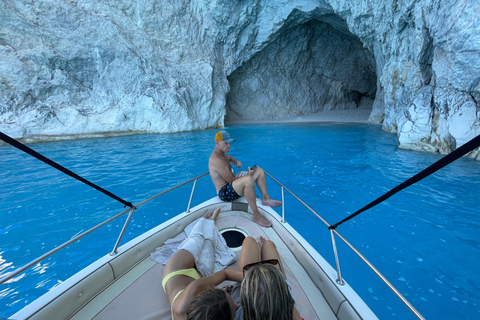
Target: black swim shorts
(227,193)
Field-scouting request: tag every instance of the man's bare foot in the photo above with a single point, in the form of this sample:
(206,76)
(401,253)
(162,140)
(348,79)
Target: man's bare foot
(261,220)
(213,216)
(271,203)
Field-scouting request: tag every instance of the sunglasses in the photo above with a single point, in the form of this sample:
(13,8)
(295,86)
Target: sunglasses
(259,263)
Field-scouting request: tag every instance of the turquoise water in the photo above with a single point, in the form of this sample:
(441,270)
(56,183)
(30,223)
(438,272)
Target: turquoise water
(425,239)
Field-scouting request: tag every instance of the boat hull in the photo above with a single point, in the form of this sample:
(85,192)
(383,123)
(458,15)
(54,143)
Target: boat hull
(127,284)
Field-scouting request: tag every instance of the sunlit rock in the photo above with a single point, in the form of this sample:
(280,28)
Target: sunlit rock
(77,68)
(428,60)
(70,69)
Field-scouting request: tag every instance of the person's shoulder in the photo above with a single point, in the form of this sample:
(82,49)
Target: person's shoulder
(213,162)
(215,158)
(180,305)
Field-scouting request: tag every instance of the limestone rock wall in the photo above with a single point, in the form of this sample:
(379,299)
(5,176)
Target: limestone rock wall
(82,67)
(308,68)
(428,64)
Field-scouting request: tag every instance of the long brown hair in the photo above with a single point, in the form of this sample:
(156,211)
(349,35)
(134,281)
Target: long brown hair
(211,304)
(265,295)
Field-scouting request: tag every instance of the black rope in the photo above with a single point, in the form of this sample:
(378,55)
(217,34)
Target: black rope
(449,158)
(52,163)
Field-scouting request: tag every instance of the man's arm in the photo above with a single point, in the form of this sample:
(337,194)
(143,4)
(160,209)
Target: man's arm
(234,161)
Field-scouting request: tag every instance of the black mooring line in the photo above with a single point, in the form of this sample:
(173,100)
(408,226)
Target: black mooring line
(57,166)
(449,158)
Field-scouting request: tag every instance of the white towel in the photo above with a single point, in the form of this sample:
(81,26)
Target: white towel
(202,239)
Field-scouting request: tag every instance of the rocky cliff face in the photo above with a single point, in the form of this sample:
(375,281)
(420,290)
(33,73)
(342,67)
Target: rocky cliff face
(73,68)
(427,57)
(308,68)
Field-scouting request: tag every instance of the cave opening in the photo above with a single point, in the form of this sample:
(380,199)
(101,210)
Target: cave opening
(311,66)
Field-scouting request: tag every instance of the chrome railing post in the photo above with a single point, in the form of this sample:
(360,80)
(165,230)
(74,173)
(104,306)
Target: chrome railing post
(19,270)
(382,277)
(114,251)
(337,260)
(191,195)
(339,280)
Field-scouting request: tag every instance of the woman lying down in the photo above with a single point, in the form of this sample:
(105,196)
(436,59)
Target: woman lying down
(194,297)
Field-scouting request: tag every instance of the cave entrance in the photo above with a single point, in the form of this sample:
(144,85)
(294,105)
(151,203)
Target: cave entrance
(309,68)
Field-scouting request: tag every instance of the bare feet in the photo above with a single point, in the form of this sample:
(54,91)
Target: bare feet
(271,203)
(261,220)
(213,216)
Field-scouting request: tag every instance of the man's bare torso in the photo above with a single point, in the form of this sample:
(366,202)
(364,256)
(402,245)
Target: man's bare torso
(216,165)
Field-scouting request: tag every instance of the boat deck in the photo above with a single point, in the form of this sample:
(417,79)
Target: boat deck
(128,285)
(138,294)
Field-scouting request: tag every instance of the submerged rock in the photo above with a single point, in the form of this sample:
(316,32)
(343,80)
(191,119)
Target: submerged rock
(86,67)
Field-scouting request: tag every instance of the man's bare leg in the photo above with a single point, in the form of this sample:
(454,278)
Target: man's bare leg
(261,180)
(245,186)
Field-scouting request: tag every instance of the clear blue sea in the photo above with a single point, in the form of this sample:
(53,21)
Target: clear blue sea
(425,239)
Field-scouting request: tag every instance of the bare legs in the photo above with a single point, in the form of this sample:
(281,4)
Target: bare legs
(213,216)
(261,180)
(251,253)
(245,186)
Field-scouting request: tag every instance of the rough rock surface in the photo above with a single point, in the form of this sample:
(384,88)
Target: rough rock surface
(309,68)
(428,66)
(73,68)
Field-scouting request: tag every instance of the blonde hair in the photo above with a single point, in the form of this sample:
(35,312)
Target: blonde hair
(211,304)
(265,295)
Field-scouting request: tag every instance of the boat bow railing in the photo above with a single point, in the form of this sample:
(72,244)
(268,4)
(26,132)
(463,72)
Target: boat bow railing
(334,232)
(127,221)
(459,152)
(132,209)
